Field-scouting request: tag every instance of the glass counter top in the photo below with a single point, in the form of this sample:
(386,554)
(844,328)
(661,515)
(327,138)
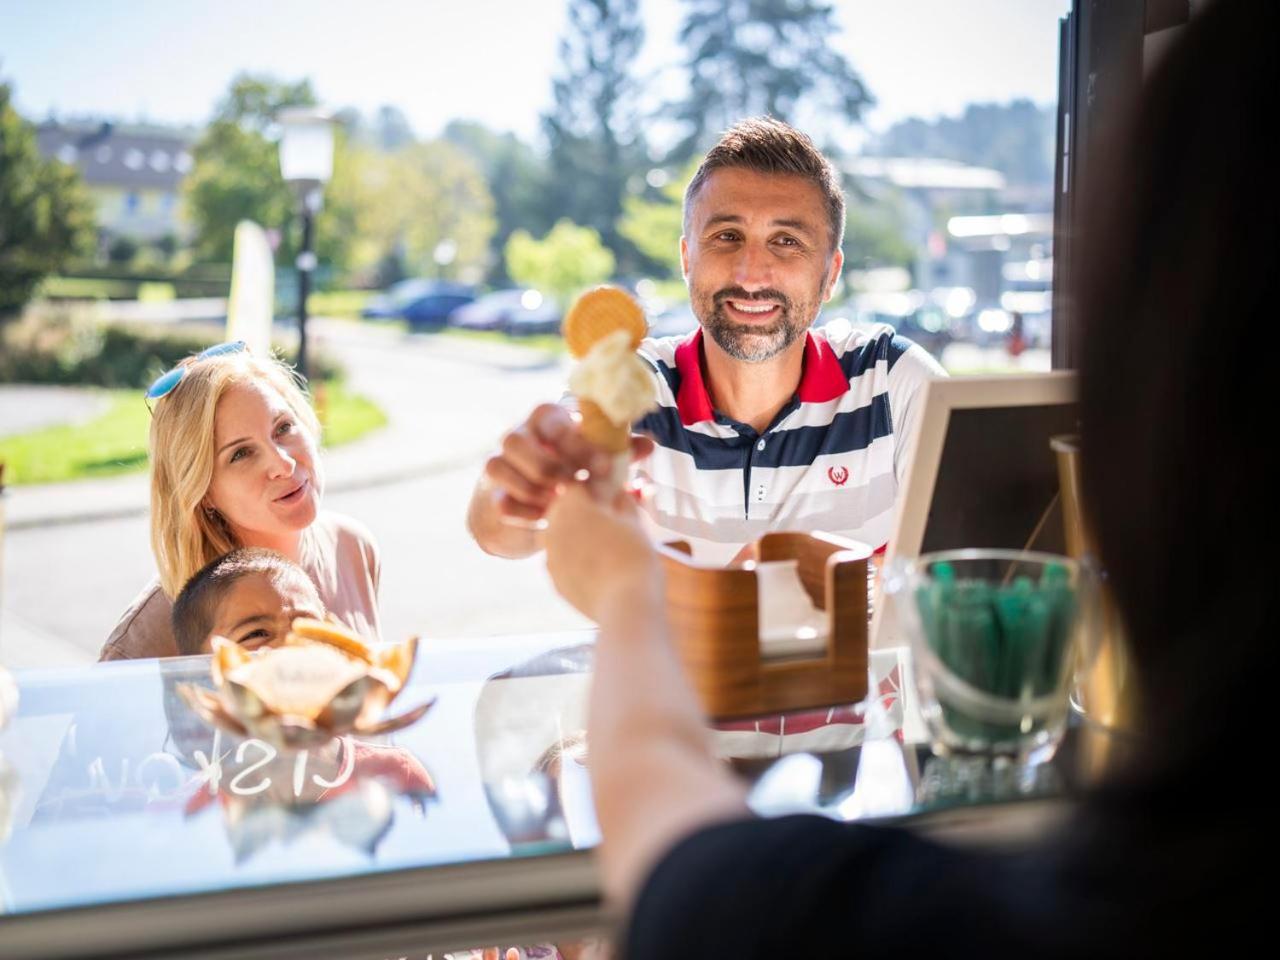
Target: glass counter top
(113,792)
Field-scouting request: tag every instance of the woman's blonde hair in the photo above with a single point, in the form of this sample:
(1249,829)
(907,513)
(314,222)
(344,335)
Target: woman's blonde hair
(184,536)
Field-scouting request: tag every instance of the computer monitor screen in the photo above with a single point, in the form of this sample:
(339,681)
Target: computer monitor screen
(997,480)
(982,473)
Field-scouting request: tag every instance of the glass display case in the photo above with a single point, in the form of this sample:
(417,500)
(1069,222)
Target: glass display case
(127,826)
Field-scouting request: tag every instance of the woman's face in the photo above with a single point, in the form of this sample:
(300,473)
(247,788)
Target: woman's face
(264,475)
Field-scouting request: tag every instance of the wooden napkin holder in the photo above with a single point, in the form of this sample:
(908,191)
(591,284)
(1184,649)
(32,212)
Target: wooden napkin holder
(715,623)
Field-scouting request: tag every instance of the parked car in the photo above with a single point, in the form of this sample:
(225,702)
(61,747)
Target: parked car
(519,311)
(423,303)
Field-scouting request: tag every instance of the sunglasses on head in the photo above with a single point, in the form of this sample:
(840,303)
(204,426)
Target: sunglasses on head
(167,381)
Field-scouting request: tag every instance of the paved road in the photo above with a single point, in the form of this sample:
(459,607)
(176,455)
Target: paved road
(64,586)
(24,407)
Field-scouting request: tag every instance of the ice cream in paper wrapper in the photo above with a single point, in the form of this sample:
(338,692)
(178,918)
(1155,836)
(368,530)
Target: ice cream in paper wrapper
(324,682)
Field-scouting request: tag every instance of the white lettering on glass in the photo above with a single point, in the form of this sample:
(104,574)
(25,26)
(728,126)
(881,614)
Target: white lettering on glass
(160,774)
(348,768)
(268,754)
(167,764)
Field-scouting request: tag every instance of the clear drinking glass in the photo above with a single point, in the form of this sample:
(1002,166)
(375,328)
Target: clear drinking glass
(994,635)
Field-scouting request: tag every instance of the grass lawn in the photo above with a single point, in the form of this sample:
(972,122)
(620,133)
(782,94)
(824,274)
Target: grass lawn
(348,416)
(116,442)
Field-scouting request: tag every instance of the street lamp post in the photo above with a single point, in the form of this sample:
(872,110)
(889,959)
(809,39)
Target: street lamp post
(306,163)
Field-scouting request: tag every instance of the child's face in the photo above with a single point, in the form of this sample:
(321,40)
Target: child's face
(257,609)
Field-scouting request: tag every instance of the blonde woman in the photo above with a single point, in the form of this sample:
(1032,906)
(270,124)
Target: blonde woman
(234,463)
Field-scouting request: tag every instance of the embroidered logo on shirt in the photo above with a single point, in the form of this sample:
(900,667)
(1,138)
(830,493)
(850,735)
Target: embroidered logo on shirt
(838,475)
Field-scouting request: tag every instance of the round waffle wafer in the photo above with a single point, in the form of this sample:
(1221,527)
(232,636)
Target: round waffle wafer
(598,313)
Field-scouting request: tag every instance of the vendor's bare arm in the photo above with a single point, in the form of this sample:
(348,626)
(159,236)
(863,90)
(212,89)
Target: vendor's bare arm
(654,776)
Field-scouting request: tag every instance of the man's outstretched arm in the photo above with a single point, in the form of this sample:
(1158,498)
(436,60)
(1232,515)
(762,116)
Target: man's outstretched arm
(520,482)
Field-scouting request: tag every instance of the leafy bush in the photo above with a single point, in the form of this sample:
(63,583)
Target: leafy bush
(565,262)
(46,214)
(66,347)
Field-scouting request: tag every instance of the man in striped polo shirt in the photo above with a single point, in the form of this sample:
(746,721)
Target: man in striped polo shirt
(763,423)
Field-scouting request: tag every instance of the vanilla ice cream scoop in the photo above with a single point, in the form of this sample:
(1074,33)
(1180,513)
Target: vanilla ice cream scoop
(616,380)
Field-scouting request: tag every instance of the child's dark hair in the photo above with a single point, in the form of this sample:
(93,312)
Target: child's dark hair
(197,604)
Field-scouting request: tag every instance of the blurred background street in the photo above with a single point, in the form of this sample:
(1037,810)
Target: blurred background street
(472,182)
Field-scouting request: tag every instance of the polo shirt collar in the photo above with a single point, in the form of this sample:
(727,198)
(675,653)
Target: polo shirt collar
(821,377)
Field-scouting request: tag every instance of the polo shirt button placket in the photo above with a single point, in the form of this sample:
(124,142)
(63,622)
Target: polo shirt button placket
(759,487)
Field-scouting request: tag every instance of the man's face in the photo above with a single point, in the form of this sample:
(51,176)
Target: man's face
(258,609)
(758,260)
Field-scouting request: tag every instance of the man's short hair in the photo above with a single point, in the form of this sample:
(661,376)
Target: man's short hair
(196,607)
(766,145)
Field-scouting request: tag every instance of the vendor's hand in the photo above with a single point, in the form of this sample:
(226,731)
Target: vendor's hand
(597,552)
(542,453)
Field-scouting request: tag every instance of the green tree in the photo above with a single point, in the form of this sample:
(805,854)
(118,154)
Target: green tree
(236,174)
(337,224)
(46,215)
(237,177)
(1016,138)
(593,130)
(749,57)
(565,262)
(655,226)
(517,178)
(253,100)
(122,250)
(426,205)
(875,235)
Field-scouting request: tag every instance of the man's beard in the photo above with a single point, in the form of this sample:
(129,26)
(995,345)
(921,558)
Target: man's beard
(752,343)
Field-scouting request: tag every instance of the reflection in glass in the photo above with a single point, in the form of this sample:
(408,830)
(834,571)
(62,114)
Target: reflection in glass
(530,727)
(341,788)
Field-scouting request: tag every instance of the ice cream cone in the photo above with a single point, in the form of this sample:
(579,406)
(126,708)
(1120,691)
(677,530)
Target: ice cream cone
(601,431)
